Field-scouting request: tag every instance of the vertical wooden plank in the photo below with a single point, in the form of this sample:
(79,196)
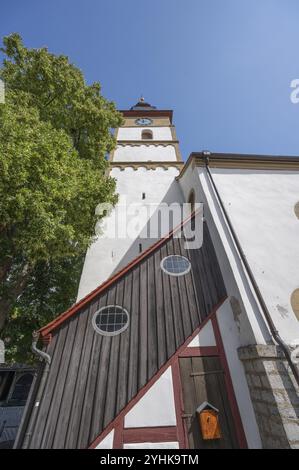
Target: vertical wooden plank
(99,361)
(214,396)
(204,276)
(161,337)
(214,265)
(183,296)
(169,326)
(124,352)
(143,333)
(96,390)
(113,365)
(189,398)
(227,411)
(175,302)
(70,383)
(134,336)
(191,294)
(55,412)
(79,392)
(211,283)
(54,349)
(152,352)
(198,282)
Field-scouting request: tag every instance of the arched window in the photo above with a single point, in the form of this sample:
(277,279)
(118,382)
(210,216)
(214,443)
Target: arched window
(146,135)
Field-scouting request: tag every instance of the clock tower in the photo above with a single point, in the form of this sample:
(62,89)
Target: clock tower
(145,164)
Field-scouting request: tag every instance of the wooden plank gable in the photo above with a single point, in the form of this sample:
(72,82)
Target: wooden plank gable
(93,377)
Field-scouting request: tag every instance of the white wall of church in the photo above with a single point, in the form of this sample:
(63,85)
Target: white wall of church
(134,133)
(156,408)
(231,341)
(108,255)
(261,207)
(107,442)
(204,338)
(145,153)
(250,322)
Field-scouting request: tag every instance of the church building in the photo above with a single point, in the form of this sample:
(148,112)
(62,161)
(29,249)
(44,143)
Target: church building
(173,344)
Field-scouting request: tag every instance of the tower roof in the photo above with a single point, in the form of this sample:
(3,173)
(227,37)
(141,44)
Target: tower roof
(142,105)
(142,108)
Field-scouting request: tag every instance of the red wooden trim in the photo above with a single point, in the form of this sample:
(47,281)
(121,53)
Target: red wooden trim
(179,406)
(45,330)
(47,339)
(118,434)
(158,434)
(158,374)
(229,386)
(200,351)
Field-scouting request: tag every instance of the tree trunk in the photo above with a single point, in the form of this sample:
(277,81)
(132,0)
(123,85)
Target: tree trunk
(13,292)
(5,267)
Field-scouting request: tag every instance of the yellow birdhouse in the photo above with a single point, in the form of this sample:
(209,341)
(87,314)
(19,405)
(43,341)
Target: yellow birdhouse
(208,418)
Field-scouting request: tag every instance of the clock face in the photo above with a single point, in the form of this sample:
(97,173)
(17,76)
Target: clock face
(143,121)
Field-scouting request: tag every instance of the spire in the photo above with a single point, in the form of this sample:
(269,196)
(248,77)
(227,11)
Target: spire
(142,105)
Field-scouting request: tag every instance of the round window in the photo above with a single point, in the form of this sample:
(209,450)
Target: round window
(111,320)
(176,265)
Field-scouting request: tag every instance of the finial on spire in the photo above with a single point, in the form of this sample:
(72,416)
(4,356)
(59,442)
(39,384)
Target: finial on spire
(142,105)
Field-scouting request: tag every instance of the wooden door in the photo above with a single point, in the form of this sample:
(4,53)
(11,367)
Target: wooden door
(202,381)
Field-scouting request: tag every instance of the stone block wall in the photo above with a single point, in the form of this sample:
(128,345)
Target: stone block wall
(274,394)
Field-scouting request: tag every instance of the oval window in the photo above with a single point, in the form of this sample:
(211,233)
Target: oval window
(175,265)
(111,320)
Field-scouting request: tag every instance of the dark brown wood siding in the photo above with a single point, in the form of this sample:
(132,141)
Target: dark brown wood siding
(92,377)
(202,381)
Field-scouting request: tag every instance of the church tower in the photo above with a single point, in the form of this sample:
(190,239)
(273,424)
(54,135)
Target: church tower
(145,164)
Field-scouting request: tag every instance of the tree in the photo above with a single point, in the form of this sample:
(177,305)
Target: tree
(54,135)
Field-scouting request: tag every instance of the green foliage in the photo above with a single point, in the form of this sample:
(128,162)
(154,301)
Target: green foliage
(54,135)
(52,289)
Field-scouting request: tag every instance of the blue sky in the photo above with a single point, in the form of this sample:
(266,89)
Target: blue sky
(223,66)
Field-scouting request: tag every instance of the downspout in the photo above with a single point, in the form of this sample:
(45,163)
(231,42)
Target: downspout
(250,274)
(44,356)
(36,400)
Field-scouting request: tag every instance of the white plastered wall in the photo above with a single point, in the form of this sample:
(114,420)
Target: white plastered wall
(135,133)
(156,408)
(108,255)
(261,207)
(145,153)
(107,442)
(231,342)
(204,338)
(246,327)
